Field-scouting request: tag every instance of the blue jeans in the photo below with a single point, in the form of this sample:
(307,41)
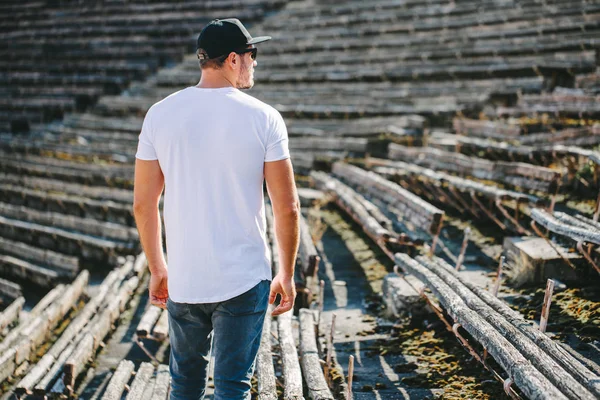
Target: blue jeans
(231,329)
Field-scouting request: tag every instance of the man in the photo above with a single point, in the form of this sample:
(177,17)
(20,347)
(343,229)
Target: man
(212,147)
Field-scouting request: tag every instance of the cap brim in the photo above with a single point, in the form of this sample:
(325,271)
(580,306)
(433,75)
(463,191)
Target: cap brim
(259,39)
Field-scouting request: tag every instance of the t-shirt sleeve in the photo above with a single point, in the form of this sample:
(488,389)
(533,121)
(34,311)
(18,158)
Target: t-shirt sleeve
(145,150)
(277,140)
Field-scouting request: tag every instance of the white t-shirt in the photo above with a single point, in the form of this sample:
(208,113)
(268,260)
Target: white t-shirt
(211,145)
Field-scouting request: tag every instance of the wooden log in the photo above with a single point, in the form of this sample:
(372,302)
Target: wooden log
(161,329)
(265,371)
(149,388)
(26,385)
(292,375)
(348,200)
(88,311)
(583,375)
(7,364)
(548,221)
(311,366)
(16,335)
(88,226)
(530,381)
(493,129)
(140,264)
(151,315)
(11,313)
(22,269)
(163,382)
(117,383)
(307,251)
(515,173)
(588,221)
(10,289)
(47,381)
(357,145)
(59,261)
(583,223)
(398,168)
(73,292)
(542,361)
(415,209)
(35,331)
(78,360)
(143,375)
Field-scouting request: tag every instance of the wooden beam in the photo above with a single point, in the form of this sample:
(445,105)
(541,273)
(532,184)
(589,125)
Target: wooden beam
(311,366)
(292,375)
(520,370)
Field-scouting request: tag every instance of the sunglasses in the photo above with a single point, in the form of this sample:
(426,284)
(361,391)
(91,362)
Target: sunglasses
(252,52)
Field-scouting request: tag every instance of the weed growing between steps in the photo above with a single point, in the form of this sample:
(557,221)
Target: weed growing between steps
(434,360)
(440,362)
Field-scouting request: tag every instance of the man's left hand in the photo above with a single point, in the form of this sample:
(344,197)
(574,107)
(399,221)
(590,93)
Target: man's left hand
(159,289)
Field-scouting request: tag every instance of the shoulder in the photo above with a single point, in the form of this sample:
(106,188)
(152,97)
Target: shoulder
(166,104)
(258,106)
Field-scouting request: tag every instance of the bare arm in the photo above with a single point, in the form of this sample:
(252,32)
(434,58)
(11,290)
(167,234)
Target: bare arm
(286,210)
(148,186)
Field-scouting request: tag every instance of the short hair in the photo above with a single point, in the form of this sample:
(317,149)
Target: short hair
(205,62)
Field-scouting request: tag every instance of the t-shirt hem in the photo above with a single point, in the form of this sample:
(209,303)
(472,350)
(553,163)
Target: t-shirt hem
(279,158)
(223,297)
(145,158)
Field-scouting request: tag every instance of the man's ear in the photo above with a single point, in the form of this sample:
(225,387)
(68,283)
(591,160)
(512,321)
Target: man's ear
(233,59)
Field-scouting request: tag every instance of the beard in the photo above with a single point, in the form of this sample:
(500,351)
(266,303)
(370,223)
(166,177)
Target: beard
(245,79)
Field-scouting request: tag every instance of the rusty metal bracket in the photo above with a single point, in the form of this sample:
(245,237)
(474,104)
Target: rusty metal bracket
(145,350)
(587,256)
(514,221)
(487,212)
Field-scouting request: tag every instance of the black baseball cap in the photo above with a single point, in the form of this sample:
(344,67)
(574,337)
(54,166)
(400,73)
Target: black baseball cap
(222,36)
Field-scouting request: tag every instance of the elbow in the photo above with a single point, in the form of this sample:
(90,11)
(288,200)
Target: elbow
(141,207)
(290,211)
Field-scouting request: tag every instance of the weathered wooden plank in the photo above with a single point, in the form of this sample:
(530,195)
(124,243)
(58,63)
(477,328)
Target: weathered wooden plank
(23,269)
(265,371)
(7,364)
(88,311)
(78,360)
(542,361)
(11,313)
(117,383)
(311,366)
(10,289)
(26,385)
(144,372)
(16,334)
(350,200)
(88,226)
(555,225)
(292,375)
(530,381)
(52,259)
(515,173)
(583,375)
(414,209)
(161,329)
(163,382)
(151,315)
(481,128)
(307,252)
(47,381)
(357,145)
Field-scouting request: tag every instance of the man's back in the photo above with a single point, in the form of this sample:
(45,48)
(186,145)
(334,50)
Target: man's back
(211,145)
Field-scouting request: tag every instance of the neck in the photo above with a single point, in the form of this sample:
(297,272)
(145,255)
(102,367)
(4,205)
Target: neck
(214,81)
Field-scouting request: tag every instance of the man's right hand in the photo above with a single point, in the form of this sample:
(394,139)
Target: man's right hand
(286,287)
